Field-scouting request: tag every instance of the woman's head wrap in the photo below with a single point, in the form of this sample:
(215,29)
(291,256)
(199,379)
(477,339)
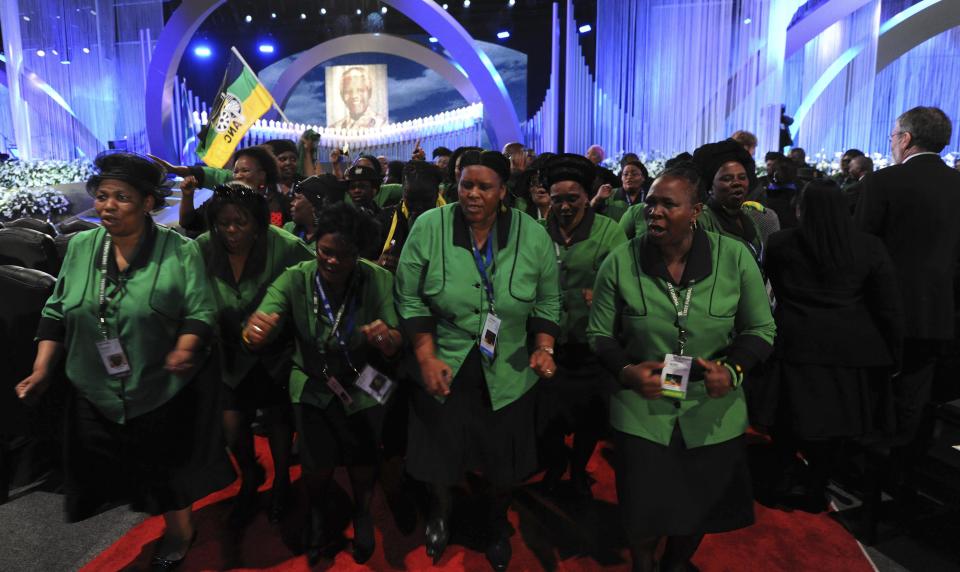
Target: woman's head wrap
(140,172)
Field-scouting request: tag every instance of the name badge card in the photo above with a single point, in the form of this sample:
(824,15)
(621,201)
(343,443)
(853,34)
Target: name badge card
(676,375)
(375,384)
(339,391)
(113,357)
(488,341)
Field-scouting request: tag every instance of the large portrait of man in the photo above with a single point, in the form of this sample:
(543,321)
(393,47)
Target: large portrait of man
(356,96)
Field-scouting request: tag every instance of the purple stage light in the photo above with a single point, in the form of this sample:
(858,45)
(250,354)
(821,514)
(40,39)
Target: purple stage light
(503,35)
(202,51)
(266,48)
(585,28)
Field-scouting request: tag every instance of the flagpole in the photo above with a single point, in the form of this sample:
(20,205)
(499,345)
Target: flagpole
(272,101)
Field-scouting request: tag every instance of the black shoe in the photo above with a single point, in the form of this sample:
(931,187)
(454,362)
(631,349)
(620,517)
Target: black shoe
(161,564)
(499,553)
(437,535)
(279,500)
(580,481)
(244,509)
(313,537)
(364,540)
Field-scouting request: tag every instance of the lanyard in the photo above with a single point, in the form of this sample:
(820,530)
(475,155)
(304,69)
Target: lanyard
(682,313)
(556,247)
(320,295)
(483,265)
(102,311)
(626,197)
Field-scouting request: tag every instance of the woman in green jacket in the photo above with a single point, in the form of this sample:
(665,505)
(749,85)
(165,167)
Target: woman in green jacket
(243,253)
(132,314)
(613,203)
(679,315)
(575,401)
(340,309)
(475,280)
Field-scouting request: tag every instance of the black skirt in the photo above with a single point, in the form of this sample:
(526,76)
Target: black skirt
(576,396)
(676,491)
(330,438)
(257,390)
(161,461)
(820,402)
(464,433)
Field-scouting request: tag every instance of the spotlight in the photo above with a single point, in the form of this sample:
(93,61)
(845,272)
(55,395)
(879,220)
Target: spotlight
(747,21)
(323,11)
(266,48)
(512,3)
(86,50)
(466,3)
(359,11)
(41,53)
(383,10)
(26,18)
(585,28)
(446,6)
(303,16)
(93,12)
(65,61)
(202,51)
(248,18)
(503,35)
(433,40)
(273,15)
(55,52)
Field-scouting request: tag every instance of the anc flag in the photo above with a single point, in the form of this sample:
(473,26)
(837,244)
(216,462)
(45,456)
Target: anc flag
(241,102)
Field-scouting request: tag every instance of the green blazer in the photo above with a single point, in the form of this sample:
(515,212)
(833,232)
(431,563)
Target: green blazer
(578,264)
(615,206)
(292,297)
(439,291)
(633,320)
(714,219)
(293,229)
(389,195)
(632,222)
(161,295)
(270,256)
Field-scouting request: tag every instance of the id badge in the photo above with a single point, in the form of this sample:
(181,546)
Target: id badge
(113,357)
(375,384)
(339,391)
(488,341)
(676,375)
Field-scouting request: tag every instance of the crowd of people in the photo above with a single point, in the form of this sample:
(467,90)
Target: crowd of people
(424,320)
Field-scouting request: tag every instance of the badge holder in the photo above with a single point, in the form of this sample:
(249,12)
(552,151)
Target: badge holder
(488,341)
(375,384)
(339,391)
(676,375)
(113,357)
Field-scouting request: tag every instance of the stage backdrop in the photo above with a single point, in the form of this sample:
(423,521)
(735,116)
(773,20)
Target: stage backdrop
(356,96)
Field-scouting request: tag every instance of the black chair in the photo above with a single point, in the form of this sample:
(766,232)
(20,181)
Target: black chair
(23,292)
(61,242)
(75,225)
(33,224)
(29,249)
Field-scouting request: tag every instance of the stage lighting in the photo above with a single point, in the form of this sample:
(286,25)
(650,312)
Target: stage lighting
(323,11)
(273,15)
(41,53)
(65,62)
(747,21)
(383,10)
(86,50)
(55,52)
(466,3)
(248,18)
(446,6)
(585,28)
(359,11)
(202,51)
(303,16)
(433,40)
(503,35)
(512,3)
(266,48)
(26,18)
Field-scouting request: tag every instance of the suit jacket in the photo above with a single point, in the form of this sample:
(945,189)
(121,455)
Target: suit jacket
(852,317)
(912,207)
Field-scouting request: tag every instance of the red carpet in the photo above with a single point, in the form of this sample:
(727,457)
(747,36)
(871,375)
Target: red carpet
(547,537)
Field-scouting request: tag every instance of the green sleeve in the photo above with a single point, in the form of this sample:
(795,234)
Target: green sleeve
(199,304)
(411,269)
(605,307)
(213,176)
(547,306)
(754,322)
(277,299)
(53,309)
(386,309)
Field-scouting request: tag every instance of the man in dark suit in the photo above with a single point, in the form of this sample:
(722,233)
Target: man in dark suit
(858,169)
(912,206)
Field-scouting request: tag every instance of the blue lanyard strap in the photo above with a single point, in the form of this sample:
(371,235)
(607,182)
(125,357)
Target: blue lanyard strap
(483,266)
(335,319)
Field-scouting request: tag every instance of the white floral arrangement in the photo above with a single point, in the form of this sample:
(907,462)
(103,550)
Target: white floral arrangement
(42,203)
(37,174)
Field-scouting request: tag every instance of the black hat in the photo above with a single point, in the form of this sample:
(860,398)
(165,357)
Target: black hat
(280,146)
(362,173)
(142,173)
(321,190)
(710,157)
(239,194)
(452,165)
(421,179)
(375,162)
(570,167)
(489,159)
(441,152)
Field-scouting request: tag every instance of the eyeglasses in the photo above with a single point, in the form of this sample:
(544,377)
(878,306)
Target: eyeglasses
(895,133)
(560,199)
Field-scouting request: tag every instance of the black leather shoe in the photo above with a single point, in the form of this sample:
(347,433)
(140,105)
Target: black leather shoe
(364,540)
(279,500)
(162,564)
(499,553)
(437,535)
